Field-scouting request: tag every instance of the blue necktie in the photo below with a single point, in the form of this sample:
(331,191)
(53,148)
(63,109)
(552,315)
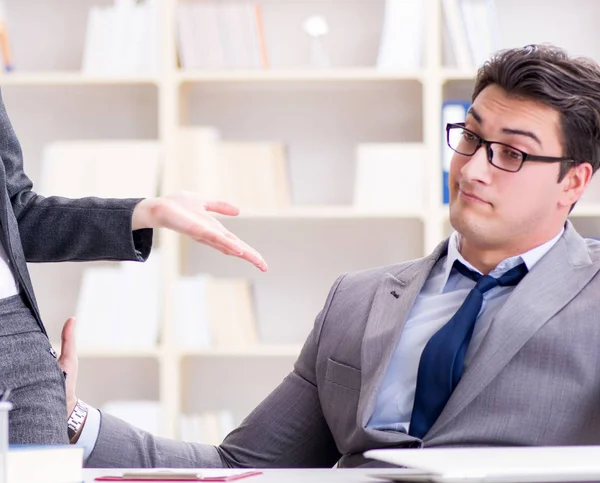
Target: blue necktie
(440,367)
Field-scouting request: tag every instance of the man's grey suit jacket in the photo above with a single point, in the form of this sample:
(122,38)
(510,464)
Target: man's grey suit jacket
(53,229)
(534,381)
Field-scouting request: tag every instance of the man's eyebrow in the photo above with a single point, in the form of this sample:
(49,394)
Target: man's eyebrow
(506,130)
(475,115)
(520,132)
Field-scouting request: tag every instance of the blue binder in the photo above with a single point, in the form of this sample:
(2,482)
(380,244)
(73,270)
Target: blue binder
(452,111)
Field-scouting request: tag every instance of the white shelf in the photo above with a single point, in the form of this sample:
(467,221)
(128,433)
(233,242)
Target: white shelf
(270,350)
(125,352)
(250,351)
(329,213)
(450,74)
(70,78)
(301,75)
(586,210)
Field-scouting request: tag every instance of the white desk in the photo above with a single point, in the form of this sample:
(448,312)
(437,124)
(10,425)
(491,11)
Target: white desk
(285,476)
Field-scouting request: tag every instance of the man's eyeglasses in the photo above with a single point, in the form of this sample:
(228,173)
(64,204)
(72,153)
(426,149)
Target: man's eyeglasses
(500,155)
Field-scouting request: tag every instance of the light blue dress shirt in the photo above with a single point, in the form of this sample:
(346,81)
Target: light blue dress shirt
(89,434)
(442,294)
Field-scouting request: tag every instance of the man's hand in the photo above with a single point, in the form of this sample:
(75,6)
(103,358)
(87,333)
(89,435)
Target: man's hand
(68,361)
(188,214)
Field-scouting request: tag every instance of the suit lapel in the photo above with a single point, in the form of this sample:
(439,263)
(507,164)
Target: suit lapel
(386,320)
(9,229)
(538,297)
(4,210)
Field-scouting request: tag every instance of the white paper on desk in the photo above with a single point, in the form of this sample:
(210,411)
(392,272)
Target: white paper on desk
(406,474)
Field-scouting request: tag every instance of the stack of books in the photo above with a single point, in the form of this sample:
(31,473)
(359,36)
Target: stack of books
(122,39)
(215,35)
(252,175)
(472,30)
(214,313)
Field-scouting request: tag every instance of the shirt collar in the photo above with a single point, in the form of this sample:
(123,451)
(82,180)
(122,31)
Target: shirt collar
(529,258)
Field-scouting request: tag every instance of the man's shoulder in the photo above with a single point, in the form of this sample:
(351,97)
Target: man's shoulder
(593,246)
(373,276)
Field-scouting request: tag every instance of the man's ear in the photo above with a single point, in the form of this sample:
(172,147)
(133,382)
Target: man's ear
(575,182)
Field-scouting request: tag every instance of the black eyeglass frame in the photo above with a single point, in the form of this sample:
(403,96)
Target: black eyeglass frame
(490,153)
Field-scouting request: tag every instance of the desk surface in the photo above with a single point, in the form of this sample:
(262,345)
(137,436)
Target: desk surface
(286,476)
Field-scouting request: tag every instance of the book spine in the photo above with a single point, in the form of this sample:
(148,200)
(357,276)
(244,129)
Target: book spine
(452,112)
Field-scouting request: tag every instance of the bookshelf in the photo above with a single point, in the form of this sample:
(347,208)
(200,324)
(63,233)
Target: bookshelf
(292,75)
(320,113)
(127,353)
(70,79)
(271,350)
(332,212)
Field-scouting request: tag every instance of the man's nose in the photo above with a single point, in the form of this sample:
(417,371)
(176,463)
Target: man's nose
(478,168)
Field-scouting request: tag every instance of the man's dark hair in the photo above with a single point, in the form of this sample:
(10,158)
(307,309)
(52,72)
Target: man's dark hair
(570,85)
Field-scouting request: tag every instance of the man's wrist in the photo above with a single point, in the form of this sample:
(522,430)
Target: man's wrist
(76,421)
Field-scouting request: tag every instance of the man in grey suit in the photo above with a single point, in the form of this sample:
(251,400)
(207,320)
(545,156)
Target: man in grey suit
(395,358)
(34,228)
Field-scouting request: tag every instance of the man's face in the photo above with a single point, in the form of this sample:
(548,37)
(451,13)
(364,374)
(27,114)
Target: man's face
(491,208)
